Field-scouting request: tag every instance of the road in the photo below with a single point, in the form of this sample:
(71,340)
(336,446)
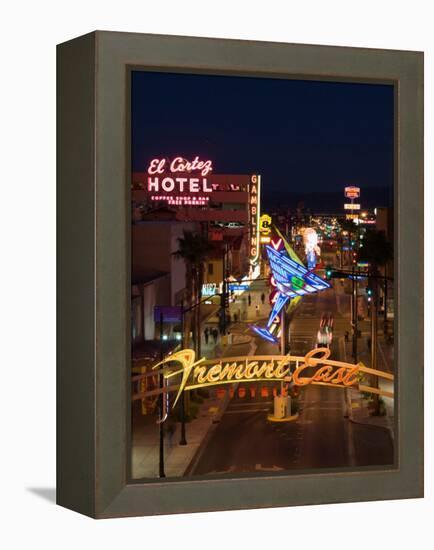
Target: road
(322,437)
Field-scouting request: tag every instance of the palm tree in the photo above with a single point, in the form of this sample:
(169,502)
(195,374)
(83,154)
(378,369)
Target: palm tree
(377,251)
(193,249)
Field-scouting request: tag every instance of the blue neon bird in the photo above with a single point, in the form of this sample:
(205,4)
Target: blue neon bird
(292,279)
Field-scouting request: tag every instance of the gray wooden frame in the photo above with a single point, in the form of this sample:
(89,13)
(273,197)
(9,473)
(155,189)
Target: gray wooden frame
(94,272)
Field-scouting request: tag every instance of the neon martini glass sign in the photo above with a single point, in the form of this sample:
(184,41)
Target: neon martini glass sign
(291,279)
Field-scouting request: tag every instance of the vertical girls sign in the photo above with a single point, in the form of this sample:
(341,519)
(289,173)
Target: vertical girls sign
(254,215)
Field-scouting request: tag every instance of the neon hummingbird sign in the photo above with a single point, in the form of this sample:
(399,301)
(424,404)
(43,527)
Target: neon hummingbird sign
(291,280)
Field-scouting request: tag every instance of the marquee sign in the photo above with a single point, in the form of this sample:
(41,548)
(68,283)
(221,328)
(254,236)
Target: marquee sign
(179,181)
(352,192)
(254,215)
(181,372)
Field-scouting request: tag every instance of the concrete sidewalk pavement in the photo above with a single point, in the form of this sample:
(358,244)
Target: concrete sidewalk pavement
(177,458)
(359,406)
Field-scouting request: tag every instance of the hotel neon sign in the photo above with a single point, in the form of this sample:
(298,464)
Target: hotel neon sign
(313,368)
(180,182)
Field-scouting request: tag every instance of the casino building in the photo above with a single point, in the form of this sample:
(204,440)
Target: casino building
(171,196)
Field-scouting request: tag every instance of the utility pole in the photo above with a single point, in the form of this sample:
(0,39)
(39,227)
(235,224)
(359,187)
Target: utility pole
(161,404)
(198,321)
(355,314)
(283,334)
(374,306)
(183,440)
(385,300)
(224,294)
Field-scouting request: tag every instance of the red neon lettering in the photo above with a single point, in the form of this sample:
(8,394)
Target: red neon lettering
(181,182)
(275,245)
(152,184)
(168,184)
(179,164)
(156,166)
(194,185)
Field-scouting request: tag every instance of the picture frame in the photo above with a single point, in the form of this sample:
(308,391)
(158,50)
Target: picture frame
(93,333)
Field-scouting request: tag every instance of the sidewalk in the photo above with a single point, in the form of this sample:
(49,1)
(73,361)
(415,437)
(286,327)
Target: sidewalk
(360,414)
(177,458)
(359,410)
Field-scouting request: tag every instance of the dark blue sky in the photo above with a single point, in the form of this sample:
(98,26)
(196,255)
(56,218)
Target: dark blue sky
(301,136)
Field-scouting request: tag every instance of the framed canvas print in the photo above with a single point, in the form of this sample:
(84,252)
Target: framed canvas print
(240,261)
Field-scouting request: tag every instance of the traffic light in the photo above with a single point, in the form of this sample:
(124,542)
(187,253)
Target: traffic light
(328,273)
(369,293)
(224,300)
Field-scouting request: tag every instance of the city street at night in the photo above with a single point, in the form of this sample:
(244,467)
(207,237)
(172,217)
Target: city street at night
(262,288)
(322,437)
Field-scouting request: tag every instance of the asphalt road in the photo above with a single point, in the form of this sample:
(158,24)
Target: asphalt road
(322,437)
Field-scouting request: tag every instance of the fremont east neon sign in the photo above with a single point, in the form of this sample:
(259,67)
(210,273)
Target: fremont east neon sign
(181,372)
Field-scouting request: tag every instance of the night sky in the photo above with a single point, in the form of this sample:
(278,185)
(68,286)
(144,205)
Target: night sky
(307,139)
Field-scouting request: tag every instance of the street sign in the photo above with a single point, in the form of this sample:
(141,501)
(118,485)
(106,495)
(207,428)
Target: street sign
(168,314)
(235,286)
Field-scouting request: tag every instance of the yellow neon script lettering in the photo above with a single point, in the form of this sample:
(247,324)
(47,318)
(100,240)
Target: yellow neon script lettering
(276,368)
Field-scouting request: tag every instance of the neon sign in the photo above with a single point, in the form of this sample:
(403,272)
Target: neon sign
(291,279)
(179,182)
(352,192)
(313,368)
(178,164)
(310,238)
(265,224)
(254,215)
(209,289)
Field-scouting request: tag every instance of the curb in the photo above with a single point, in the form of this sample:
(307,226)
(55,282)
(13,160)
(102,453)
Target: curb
(291,418)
